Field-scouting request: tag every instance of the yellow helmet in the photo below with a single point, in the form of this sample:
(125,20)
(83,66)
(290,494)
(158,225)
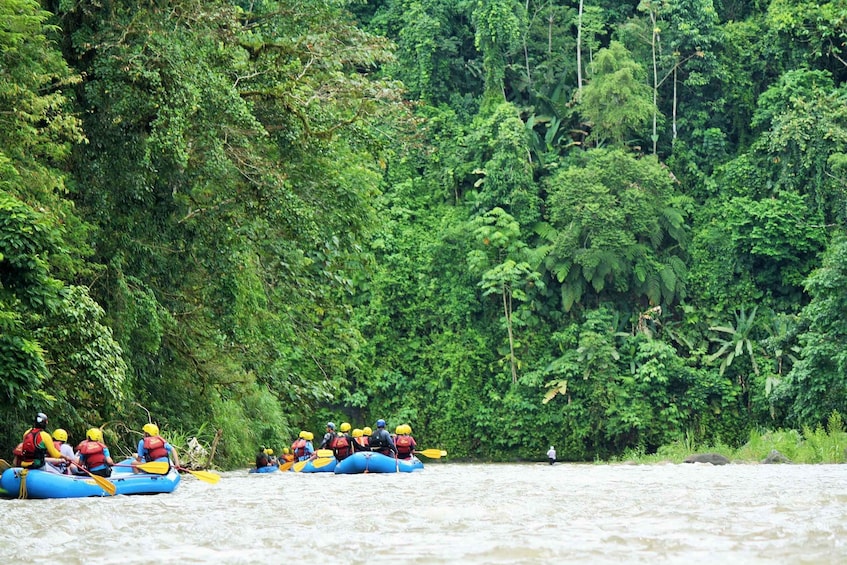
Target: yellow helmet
(303,434)
(94,434)
(151,429)
(408,429)
(286,450)
(60,435)
(345,427)
(309,436)
(357,433)
(269,451)
(400,430)
(367,431)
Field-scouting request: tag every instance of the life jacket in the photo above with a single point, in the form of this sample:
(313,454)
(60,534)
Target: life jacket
(33,451)
(154,448)
(93,452)
(405,445)
(340,445)
(361,443)
(380,445)
(298,448)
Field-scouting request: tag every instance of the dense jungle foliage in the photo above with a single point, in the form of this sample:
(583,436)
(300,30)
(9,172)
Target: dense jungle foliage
(606,225)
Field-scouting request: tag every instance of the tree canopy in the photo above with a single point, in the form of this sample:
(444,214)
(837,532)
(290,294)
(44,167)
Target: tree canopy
(608,226)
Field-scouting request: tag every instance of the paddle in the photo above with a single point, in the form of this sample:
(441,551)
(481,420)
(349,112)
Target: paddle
(102,482)
(4,465)
(432,453)
(322,453)
(300,464)
(153,467)
(206,476)
(286,466)
(322,462)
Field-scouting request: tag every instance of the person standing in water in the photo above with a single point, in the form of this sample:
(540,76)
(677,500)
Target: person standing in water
(551,455)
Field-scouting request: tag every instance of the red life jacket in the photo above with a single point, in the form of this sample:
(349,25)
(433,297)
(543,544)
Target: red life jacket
(33,450)
(19,450)
(405,445)
(340,445)
(362,443)
(93,452)
(298,448)
(154,448)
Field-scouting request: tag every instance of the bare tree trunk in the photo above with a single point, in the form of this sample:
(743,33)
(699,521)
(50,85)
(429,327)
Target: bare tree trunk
(526,53)
(674,101)
(549,41)
(655,136)
(579,49)
(508,311)
(218,433)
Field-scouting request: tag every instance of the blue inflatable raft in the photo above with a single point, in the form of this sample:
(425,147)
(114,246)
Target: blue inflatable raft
(43,484)
(372,462)
(325,468)
(265,469)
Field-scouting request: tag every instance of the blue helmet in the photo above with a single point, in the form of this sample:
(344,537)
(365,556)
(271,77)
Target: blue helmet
(330,425)
(380,423)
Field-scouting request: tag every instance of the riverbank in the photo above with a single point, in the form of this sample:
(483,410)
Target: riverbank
(821,445)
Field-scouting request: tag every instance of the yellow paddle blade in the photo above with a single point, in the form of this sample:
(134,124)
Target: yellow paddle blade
(300,464)
(102,482)
(322,462)
(4,465)
(205,476)
(432,453)
(325,453)
(286,466)
(155,467)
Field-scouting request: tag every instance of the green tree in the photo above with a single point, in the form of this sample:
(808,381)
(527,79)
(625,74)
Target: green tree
(815,385)
(618,228)
(500,142)
(616,102)
(499,26)
(803,118)
(505,272)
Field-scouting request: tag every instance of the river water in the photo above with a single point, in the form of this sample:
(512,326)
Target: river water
(455,513)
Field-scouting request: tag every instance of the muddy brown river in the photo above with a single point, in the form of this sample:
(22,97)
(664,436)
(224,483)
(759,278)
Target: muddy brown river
(455,513)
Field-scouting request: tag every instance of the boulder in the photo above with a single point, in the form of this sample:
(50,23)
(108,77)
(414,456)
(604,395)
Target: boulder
(775,457)
(713,458)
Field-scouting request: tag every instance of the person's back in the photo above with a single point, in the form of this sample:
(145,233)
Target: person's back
(551,455)
(329,436)
(404,441)
(303,448)
(36,446)
(94,455)
(60,465)
(153,447)
(381,441)
(341,447)
(360,441)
